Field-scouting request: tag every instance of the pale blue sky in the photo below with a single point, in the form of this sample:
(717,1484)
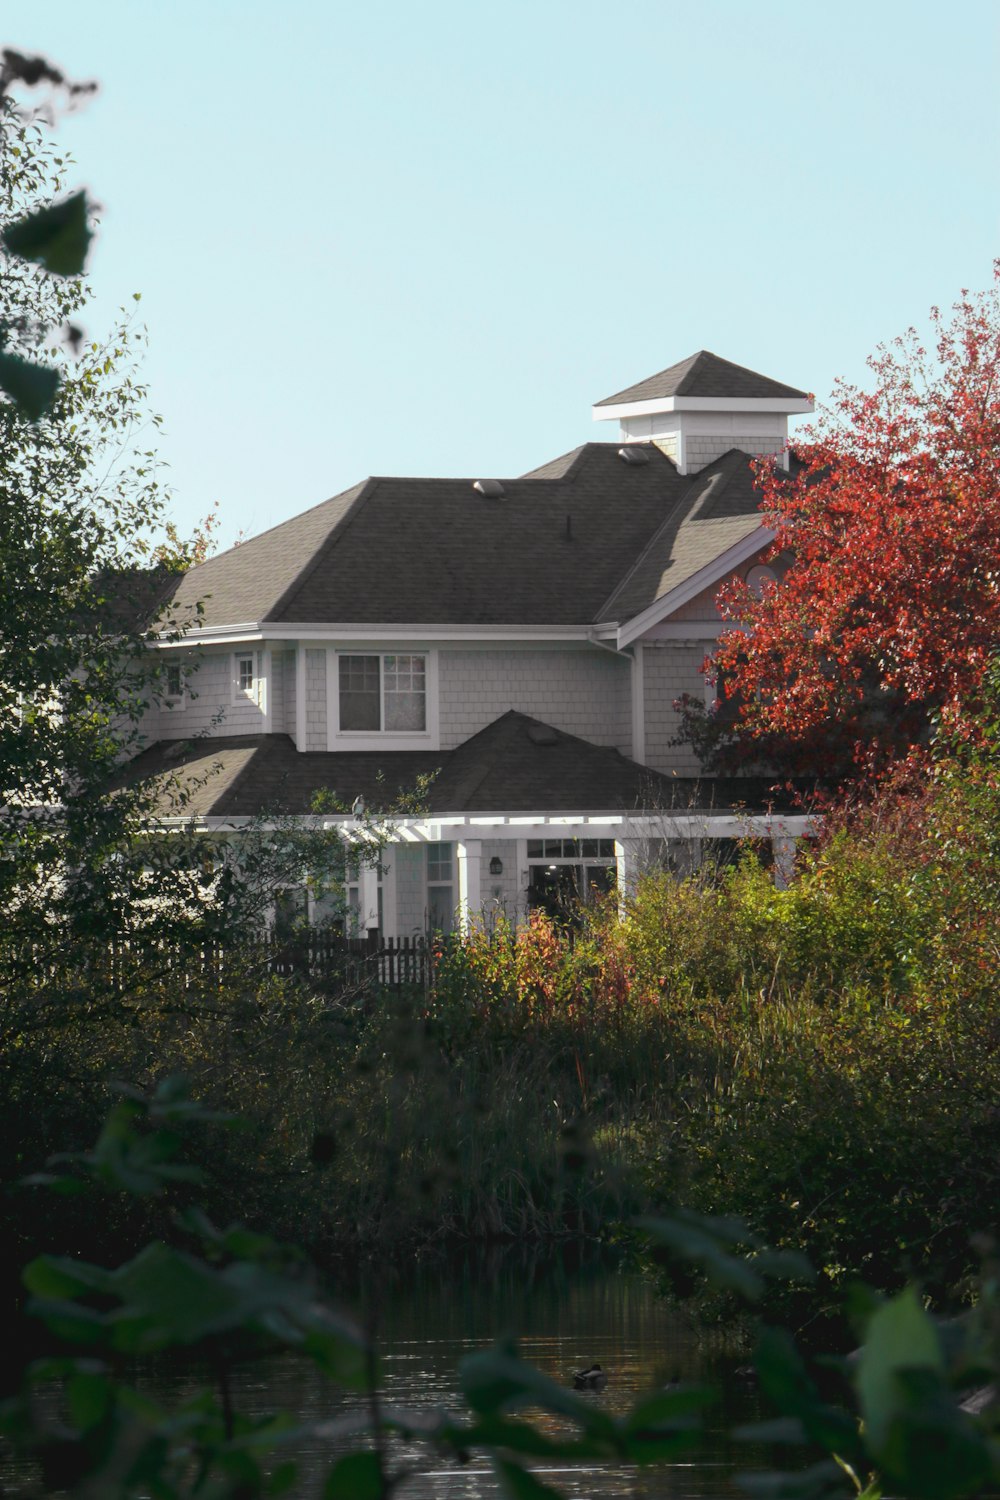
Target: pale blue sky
(424,238)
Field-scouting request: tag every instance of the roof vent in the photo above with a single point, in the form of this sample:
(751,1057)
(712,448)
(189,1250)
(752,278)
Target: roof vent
(633,455)
(491,488)
(542,734)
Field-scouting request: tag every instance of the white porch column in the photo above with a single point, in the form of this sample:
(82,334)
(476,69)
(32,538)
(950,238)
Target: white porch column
(626,869)
(300,695)
(390,914)
(470,883)
(783,845)
(368,897)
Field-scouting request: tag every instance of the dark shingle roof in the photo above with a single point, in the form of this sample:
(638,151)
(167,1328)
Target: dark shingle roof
(433,551)
(704,374)
(516,764)
(249,581)
(719,510)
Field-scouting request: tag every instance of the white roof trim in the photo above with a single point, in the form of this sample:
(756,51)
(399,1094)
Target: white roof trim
(645,408)
(334,633)
(739,552)
(618,825)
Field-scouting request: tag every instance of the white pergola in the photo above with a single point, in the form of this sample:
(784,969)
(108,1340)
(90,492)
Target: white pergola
(633,833)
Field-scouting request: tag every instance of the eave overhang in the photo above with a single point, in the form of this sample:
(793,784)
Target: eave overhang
(261,630)
(674,599)
(790,405)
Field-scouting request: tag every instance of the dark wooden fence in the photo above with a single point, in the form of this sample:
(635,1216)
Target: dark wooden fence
(328,960)
(331,963)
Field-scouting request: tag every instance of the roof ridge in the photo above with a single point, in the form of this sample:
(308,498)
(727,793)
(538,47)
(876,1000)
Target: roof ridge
(637,563)
(259,536)
(575,455)
(338,529)
(468,786)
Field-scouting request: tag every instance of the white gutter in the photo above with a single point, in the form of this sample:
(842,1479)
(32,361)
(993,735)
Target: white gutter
(258,630)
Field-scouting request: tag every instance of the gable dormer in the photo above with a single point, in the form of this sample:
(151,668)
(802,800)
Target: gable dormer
(700,408)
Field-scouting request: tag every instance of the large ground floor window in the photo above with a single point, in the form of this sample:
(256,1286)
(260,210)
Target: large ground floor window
(564,874)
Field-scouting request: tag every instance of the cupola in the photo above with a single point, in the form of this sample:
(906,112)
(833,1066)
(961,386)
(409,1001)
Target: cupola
(697,410)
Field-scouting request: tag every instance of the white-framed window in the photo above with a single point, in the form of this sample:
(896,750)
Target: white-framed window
(174,696)
(441,898)
(382,699)
(246,676)
(382,694)
(567,873)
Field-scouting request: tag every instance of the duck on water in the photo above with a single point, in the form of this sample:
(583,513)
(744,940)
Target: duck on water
(591,1379)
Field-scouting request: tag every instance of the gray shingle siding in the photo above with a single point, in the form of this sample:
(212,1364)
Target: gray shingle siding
(671,669)
(584,692)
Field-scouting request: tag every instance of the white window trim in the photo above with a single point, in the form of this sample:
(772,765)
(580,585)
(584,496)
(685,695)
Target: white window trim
(258,695)
(176,703)
(382,739)
(450,884)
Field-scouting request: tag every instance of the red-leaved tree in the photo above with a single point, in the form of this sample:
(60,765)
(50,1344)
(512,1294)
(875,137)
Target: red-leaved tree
(888,612)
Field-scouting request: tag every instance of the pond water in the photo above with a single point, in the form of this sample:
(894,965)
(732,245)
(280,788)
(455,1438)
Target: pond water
(564,1319)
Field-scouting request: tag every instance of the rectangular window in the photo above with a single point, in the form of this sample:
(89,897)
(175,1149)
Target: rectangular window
(173,685)
(440,916)
(244,676)
(360,693)
(383,694)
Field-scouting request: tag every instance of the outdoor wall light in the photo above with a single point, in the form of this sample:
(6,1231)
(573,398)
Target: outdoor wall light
(496,866)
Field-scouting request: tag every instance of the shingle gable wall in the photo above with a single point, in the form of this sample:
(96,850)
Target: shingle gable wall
(584,692)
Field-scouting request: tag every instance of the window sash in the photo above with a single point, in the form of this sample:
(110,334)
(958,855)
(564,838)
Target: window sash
(360,693)
(383,694)
(440,864)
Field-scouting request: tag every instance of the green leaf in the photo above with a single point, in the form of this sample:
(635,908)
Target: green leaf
(900,1335)
(90,1398)
(785,1379)
(520,1484)
(31,387)
(497,1380)
(56,236)
(933,1450)
(823,1481)
(517,1437)
(778,1430)
(707,1243)
(56,1276)
(357,1476)
(664,1424)
(70,1322)
(284,1478)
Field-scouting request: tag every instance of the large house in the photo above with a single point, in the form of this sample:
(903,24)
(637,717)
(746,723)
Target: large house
(523,641)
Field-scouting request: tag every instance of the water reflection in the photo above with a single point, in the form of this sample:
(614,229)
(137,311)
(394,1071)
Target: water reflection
(565,1316)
